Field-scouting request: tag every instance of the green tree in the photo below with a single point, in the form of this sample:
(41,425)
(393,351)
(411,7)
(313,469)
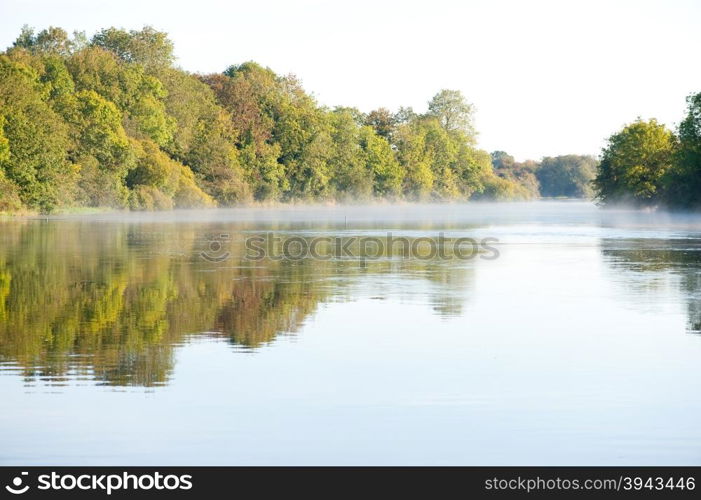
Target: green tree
(100,147)
(4,142)
(148,47)
(682,182)
(350,177)
(37,139)
(634,162)
(49,41)
(204,138)
(521,173)
(415,160)
(442,149)
(453,112)
(159,182)
(139,96)
(55,74)
(383,122)
(569,176)
(502,160)
(386,174)
(9,192)
(495,188)
(471,166)
(303,132)
(248,92)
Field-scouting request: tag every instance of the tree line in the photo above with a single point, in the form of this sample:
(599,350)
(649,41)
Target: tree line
(110,121)
(645,164)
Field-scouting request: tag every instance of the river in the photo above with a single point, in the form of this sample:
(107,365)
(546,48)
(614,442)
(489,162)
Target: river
(570,337)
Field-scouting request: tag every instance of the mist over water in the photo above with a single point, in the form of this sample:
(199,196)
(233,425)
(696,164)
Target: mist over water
(580,344)
(550,212)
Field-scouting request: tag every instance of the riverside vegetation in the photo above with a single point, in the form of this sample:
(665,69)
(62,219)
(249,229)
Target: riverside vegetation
(647,165)
(109,121)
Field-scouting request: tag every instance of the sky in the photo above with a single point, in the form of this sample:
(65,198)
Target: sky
(545,77)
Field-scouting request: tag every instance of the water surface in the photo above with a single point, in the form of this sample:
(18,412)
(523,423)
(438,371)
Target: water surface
(121,344)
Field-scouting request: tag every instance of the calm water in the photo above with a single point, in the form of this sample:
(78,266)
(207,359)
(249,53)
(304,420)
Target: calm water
(580,344)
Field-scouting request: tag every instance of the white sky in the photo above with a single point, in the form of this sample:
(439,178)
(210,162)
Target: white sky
(546,77)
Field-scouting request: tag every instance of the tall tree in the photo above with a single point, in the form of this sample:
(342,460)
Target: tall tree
(249,94)
(37,139)
(683,181)
(634,162)
(386,174)
(351,176)
(49,41)
(383,122)
(453,112)
(148,47)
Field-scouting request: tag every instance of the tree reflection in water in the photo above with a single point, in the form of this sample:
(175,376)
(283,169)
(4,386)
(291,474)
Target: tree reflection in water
(107,303)
(652,264)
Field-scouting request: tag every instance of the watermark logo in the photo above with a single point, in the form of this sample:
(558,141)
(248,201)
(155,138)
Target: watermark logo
(16,488)
(215,251)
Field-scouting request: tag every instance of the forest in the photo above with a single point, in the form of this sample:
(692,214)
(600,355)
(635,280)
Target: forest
(110,121)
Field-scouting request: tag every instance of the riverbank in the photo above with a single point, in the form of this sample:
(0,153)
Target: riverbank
(290,205)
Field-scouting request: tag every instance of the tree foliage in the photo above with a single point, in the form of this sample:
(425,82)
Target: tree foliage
(682,184)
(109,121)
(452,111)
(36,137)
(148,47)
(634,163)
(568,176)
(521,174)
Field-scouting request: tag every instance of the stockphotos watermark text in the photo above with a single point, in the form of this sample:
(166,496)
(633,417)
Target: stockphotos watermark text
(274,246)
(105,483)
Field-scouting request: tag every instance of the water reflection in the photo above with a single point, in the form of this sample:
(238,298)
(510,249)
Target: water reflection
(107,302)
(651,266)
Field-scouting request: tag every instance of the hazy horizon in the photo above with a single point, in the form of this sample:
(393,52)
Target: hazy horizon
(546,78)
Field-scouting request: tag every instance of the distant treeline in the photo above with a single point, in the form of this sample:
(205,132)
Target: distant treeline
(568,176)
(108,121)
(647,165)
